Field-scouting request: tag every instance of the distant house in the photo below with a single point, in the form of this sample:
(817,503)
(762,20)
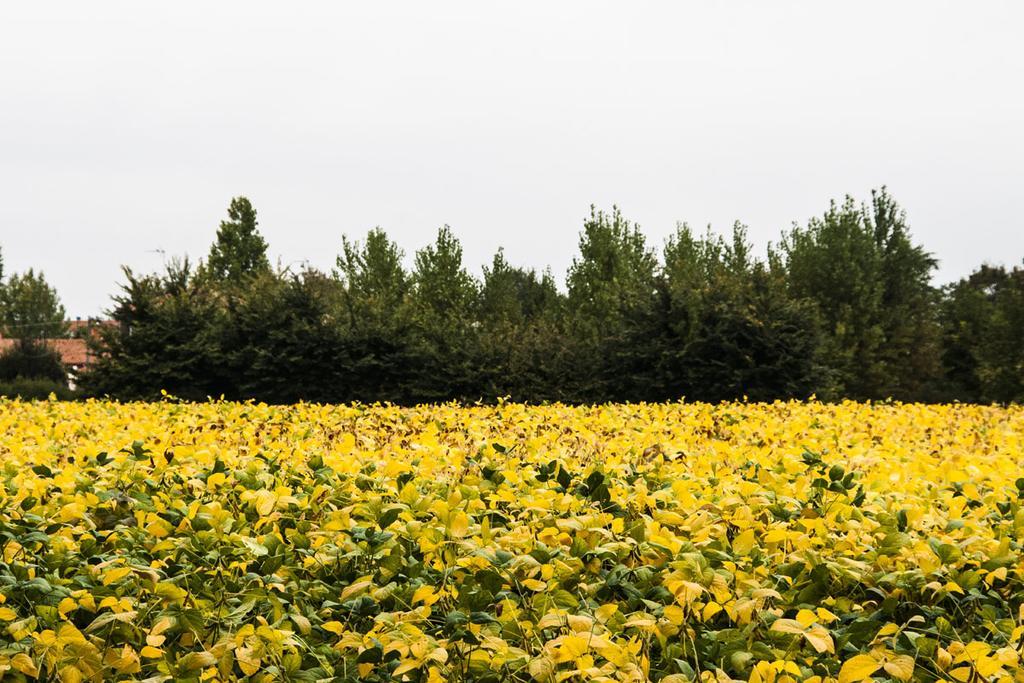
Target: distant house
(74,353)
(74,350)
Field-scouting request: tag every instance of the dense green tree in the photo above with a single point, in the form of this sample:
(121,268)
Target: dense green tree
(239,251)
(614,271)
(30,307)
(613,299)
(983,327)
(31,358)
(733,330)
(443,300)
(844,309)
(522,343)
(378,335)
(166,338)
(870,283)
(281,340)
(375,283)
(512,295)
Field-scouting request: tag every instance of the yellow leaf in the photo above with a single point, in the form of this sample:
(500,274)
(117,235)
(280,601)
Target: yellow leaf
(116,574)
(302,622)
(858,668)
(71,674)
(961,673)
(675,614)
(161,625)
(825,616)
(248,662)
(570,647)
(335,627)
(459,525)
(357,587)
(710,610)
(7,614)
(641,621)
(23,663)
(887,630)
(806,617)
(266,501)
(150,652)
(744,542)
(900,667)
(788,626)
(686,591)
(425,594)
(406,666)
(197,660)
(126,661)
(171,593)
(605,612)
(820,639)
(67,605)
(541,668)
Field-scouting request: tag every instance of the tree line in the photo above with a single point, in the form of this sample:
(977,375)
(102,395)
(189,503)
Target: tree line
(841,307)
(30,310)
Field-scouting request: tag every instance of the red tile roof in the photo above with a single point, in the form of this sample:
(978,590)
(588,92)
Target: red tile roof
(72,351)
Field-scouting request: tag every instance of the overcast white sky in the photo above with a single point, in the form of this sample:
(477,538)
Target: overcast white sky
(126,127)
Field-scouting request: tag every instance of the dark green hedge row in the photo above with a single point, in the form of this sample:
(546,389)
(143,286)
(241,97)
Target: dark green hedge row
(843,306)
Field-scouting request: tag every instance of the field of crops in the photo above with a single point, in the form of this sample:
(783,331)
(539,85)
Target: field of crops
(768,543)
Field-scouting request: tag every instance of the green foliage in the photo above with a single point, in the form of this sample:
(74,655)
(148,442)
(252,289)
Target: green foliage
(612,298)
(983,323)
(614,273)
(30,307)
(165,339)
(870,283)
(281,340)
(378,341)
(443,298)
(524,347)
(35,389)
(29,358)
(240,251)
(734,330)
(844,308)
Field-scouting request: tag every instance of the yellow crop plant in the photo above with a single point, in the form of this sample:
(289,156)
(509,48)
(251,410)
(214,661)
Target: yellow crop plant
(769,543)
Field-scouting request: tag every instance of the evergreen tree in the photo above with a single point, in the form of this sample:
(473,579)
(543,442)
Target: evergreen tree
(282,341)
(514,295)
(31,358)
(379,339)
(376,284)
(444,297)
(167,337)
(239,251)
